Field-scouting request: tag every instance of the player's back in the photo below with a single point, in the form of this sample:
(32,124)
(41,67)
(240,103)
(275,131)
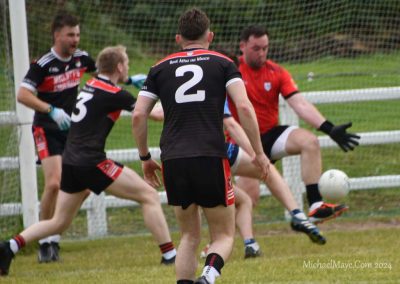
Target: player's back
(192,88)
(98,106)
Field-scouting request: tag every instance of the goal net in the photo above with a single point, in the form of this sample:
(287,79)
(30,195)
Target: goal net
(332,45)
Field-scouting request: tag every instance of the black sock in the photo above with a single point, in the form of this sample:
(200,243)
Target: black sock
(184,281)
(215,260)
(313,194)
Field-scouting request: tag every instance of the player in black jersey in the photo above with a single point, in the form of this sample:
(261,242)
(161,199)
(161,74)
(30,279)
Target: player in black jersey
(192,86)
(85,165)
(55,77)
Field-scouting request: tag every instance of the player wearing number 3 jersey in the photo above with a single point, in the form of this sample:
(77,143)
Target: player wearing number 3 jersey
(192,86)
(85,165)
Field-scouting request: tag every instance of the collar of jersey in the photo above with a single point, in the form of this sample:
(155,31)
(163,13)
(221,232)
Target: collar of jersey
(59,57)
(104,78)
(194,48)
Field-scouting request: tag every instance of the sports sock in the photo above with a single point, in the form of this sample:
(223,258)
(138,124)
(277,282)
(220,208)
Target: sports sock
(212,267)
(313,194)
(44,240)
(17,243)
(54,238)
(251,243)
(184,281)
(298,214)
(168,250)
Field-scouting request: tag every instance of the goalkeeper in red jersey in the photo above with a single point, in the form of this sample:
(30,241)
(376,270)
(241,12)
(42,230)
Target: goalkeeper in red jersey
(265,81)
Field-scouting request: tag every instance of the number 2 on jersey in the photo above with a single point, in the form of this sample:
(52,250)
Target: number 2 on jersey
(180,96)
(82,98)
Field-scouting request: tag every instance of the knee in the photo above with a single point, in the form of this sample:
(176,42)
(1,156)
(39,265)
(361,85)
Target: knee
(311,143)
(59,224)
(52,186)
(150,197)
(191,239)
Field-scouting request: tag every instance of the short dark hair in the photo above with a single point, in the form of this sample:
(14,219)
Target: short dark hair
(253,30)
(62,19)
(109,58)
(193,24)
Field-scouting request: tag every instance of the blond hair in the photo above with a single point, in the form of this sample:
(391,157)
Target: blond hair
(109,58)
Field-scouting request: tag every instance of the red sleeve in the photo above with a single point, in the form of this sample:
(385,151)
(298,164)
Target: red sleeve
(288,86)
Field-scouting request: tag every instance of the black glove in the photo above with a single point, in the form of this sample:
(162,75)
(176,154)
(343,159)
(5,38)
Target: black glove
(346,141)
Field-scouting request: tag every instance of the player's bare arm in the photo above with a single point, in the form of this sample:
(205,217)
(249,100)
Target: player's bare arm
(238,135)
(29,99)
(309,113)
(140,115)
(247,116)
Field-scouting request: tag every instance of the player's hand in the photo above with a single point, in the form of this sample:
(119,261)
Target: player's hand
(346,141)
(62,119)
(150,168)
(137,80)
(262,161)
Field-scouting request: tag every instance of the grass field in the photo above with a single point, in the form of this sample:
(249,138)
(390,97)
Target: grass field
(357,251)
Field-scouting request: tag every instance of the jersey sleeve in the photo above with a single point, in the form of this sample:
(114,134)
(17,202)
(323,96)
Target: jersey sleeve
(232,73)
(121,100)
(90,64)
(34,77)
(288,86)
(149,88)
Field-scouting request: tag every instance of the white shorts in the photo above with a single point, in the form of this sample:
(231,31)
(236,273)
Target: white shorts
(278,148)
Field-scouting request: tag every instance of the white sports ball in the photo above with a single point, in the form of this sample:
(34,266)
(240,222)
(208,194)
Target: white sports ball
(334,185)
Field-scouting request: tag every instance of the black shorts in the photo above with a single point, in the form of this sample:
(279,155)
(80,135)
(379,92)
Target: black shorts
(49,142)
(268,139)
(205,181)
(96,178)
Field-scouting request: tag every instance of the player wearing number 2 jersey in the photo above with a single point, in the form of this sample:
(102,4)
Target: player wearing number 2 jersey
(85,165)
(192,86)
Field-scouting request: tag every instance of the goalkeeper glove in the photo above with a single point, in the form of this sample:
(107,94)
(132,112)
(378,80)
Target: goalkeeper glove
(137,80)
(346,141)
(60,117)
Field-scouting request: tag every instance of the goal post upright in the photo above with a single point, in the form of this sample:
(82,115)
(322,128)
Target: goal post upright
(19,40)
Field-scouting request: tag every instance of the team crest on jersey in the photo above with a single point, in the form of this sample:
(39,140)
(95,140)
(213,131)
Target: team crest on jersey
(54,69)
(78,64)
(67,68)
(267,86)
(189,53)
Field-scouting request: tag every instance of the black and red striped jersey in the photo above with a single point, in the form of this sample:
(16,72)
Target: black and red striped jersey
(97,107)
(191,85)
(56,81)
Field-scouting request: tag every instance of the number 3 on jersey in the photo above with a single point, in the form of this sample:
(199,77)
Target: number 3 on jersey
(82,98)
(180,96)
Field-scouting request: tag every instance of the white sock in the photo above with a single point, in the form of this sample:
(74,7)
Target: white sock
(210,273)
(169,254)
(54,238)
(14,246)
(315,205)
(254,245)
(45,240)
(301,216)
